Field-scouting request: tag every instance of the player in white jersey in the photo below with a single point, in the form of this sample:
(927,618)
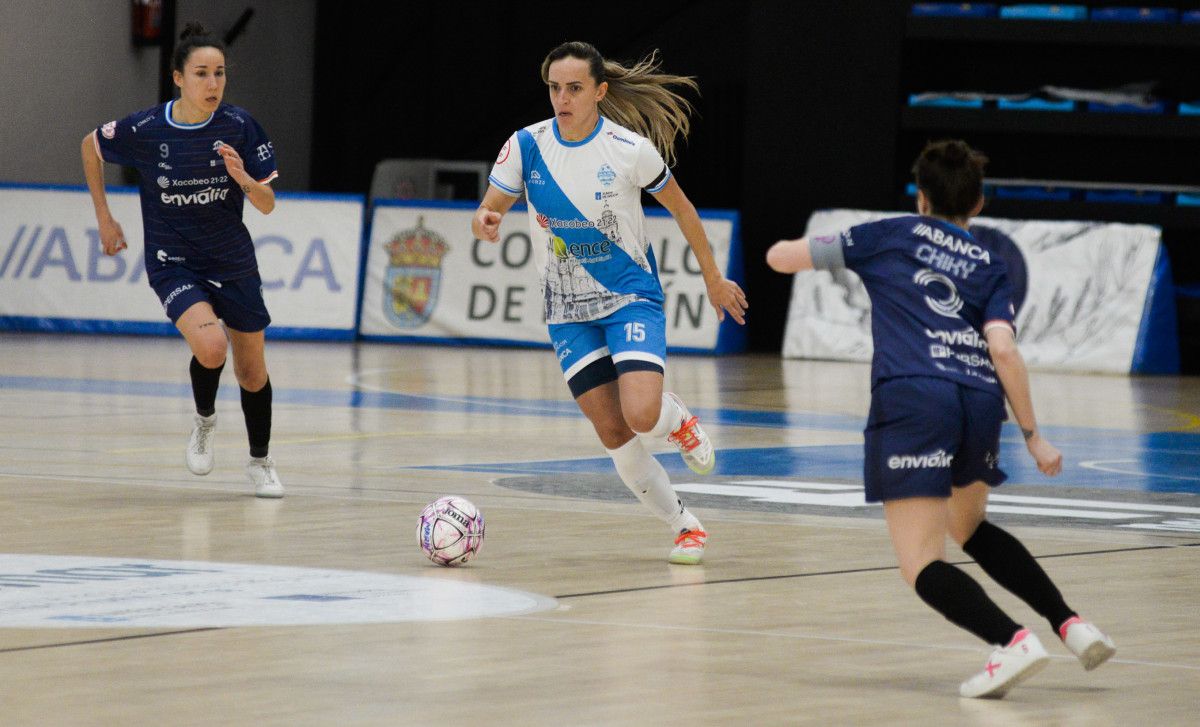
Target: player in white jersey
(583,174)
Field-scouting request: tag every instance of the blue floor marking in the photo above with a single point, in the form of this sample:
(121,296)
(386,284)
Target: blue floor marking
(1176,473)
(1148,462)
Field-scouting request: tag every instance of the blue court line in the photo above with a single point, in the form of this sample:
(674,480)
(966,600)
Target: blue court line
(1104,441)
(393,400)
(1153,461)
(845,462)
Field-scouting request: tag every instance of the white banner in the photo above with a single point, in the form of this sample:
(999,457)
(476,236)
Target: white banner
(427,277)
(53,275)
(1082,309)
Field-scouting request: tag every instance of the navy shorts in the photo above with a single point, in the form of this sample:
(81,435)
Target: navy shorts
(927,435)
(237,302)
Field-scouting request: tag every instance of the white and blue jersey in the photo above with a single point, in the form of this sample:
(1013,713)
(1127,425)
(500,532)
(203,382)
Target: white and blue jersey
(934,291)
(585,215)
(191,208)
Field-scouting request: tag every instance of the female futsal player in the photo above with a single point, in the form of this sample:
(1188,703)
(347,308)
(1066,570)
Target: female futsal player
(583,172)
(945,358)
(198,159)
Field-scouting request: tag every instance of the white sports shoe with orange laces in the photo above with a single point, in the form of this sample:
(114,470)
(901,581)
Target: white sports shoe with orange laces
(689,547)
(1007,667)
(1086,642)
(694,445)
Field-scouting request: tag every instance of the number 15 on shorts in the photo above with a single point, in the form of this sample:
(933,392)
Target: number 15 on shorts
(635,332)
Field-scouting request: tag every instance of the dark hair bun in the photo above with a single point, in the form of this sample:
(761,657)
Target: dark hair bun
(192,29)
(956,153)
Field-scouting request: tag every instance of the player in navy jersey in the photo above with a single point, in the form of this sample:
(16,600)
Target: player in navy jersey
(198,160)
(945,359)
(583,173)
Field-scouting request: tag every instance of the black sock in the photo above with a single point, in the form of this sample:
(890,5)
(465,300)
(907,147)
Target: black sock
(256,406)
(1008,563)
(961,600)
(204,386)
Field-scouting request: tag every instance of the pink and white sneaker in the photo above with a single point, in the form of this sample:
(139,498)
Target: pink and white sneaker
(1086,642)
(689,547)
(694,445)
(1007,667)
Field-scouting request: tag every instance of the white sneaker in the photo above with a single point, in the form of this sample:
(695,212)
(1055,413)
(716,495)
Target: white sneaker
(1086,642)
(1007,667)
(261,471)
(689,547)
(200,445)
(694,445)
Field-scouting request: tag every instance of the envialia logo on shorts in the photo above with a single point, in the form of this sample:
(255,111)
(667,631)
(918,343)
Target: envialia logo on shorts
(920,461)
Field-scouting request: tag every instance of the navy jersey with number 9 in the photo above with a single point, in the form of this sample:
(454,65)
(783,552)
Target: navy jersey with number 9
(191,207)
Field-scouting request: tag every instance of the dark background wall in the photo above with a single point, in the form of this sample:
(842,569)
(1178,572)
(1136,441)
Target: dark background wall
(797,107)
(68,67)
(802,107)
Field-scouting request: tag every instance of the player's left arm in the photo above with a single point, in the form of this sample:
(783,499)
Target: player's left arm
(260,194)
(1014,378)
(723,294)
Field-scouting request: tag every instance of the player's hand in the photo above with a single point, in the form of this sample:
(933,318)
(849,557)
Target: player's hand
(486,225)
(1047,456)
(234,164)
(112,237)
(726,295)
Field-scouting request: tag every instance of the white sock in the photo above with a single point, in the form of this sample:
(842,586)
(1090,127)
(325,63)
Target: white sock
(670,416)
(649,482)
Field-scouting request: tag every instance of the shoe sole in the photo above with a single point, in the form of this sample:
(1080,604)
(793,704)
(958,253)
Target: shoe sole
(705,471)
(1096,654)
(269,494)
(685,559)
(201,473)
(1000,690)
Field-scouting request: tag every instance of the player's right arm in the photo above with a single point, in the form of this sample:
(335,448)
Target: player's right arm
(1014,377)
(112,237)
(506,184)
(790,256)
(486,223)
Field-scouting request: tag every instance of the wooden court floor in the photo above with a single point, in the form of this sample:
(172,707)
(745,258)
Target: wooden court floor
(798,615)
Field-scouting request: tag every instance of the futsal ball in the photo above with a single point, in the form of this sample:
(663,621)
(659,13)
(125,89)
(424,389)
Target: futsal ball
(450,530)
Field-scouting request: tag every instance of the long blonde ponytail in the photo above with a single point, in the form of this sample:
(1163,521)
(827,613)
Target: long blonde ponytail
(639,97)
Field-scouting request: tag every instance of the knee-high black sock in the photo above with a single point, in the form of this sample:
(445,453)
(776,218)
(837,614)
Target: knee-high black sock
(1008,563)
(256,407)
(204,386)
(961,600)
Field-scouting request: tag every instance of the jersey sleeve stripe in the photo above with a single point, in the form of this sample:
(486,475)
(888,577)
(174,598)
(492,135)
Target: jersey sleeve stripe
(660,182)
(999,322)
(270,178)
(96,142)
(504,187)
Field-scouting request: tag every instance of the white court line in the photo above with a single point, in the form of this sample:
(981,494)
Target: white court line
(714,514)
(1063,512)
(1097,464)
(293,491)
(816,637)
(1100,504)
(785,484)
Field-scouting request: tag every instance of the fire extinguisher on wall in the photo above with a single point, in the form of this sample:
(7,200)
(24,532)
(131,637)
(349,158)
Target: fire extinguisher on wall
(147,22)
